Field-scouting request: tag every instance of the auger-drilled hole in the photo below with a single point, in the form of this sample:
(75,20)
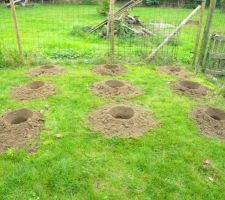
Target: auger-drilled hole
(216,113)
(48,67)
(114,83)
(112,67)
(190,84)
(122,112)
(36,85)
(18,116)
(175,69)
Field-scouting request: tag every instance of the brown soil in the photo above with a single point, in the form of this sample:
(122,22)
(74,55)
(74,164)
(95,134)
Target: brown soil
(18,127)
(47,70)
(176,71)
(190,88)
(115,88)
(110,70)
(211,121)
(34,90)
(124,120)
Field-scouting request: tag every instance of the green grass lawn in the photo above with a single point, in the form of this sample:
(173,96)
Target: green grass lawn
(166,163)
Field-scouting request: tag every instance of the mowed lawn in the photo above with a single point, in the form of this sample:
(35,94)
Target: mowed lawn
(166,163)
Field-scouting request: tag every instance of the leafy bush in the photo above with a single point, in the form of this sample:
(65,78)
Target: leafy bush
(10,59)
(103,7)
(66,54)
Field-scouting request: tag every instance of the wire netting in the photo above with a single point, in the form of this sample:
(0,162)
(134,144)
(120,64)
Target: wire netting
(60,31)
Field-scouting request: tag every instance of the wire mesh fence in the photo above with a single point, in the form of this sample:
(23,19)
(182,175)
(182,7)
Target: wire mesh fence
(60,31)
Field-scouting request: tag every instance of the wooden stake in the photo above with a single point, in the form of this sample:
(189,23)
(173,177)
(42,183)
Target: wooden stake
(112,33)
(207,32)
(183,23)
(13,10)
(198,34)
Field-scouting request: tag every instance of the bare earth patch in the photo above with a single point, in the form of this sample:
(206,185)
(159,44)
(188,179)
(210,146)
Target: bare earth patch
(115,88)
(190,88)
(123,120)
(110,69)
(46,70)
(175,71)
(34,90)
(17,127)
(211,121)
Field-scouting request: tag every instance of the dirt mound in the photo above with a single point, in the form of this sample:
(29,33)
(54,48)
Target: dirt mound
(47,70)
(211,121)
(176,71)
(124,120)
(110,70)
(18,127)
(34,90)
(115,88)
(190,88)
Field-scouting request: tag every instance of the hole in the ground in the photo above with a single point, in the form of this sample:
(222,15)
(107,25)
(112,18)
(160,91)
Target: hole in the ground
(18,116)
(111,67)
(114,83)
(122,112)
(190,84)
(36,85)
(175,69)
(216,113)
(48,67)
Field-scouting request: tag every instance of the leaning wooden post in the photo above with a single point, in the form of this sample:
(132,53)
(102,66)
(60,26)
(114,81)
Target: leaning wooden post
(207,32)
(13,10)
(112,32)
(178,28)
(199,33)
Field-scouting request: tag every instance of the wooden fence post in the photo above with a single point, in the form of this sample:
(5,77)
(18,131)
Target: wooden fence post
(112,32)
(18,38)
(199,33)
(207,32)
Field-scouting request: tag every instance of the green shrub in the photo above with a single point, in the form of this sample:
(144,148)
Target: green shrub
(103,7)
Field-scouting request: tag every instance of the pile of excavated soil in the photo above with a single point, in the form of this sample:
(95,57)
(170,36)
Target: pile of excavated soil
(18,127)
(47,70)
(34,90)
(211,121)
(124,120)
(110,69)
(176,71)
(115,88)
(190,88)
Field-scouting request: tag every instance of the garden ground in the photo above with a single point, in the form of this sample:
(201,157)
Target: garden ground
(166,163)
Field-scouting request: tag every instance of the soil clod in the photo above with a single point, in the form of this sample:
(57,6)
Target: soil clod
(110,69)
(18,127)
(115,88)
(176,71)
(190,88)
(123,120)
(211,121)
(47,70)
(34,90)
